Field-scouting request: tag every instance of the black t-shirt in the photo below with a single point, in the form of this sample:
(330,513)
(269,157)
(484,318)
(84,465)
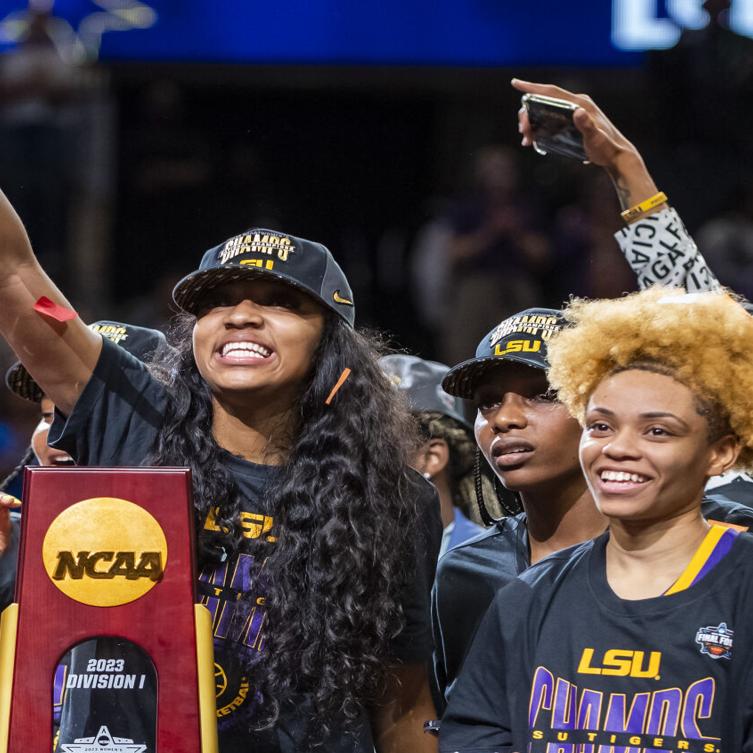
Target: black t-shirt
(469,576)
(561,661)
(115,423)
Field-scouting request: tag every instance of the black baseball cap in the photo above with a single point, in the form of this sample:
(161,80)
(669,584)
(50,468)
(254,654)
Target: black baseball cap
(140,342)
(421,380)
(258,252)
(521,338)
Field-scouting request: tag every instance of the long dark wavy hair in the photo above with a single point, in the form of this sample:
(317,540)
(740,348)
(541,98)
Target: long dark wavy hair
(346,510)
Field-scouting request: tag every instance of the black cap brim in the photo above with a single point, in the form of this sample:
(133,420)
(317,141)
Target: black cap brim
(461,380)
(20,382)
(189,291)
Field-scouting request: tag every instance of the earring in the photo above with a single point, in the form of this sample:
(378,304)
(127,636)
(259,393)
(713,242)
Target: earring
(426,475)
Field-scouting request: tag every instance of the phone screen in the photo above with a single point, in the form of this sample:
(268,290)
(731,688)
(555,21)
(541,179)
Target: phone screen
(553,128)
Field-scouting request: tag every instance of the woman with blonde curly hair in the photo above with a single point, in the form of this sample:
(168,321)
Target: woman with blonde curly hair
(636,641)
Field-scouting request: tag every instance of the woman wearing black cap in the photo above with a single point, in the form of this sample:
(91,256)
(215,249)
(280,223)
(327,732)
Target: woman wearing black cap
(526,435)
(531,441)
(637,640)
(317,544)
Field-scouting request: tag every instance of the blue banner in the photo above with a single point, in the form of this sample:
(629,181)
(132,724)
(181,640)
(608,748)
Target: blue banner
(391,32)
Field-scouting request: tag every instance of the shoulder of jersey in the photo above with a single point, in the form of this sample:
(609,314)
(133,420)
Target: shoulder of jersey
(499,537)
(717,506)
(555,565)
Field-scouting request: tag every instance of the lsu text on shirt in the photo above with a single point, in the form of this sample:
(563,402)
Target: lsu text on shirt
(560,664)
(469,576)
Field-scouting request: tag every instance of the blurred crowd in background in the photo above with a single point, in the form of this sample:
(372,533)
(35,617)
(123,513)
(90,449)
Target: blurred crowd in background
(125,174)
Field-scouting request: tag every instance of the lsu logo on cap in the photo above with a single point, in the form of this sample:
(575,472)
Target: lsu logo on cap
(259,263)
(517,346)
(104,552)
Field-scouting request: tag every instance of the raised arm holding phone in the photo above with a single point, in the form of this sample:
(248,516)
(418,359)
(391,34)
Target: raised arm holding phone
(492,707)
(655,242)
(604,145)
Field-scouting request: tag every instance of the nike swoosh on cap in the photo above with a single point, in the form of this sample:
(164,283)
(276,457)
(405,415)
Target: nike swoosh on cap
(337,298)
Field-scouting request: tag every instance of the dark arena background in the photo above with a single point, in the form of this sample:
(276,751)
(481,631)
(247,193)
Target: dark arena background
(136,134)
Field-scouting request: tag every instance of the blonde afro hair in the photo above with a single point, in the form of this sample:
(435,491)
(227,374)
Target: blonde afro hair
(704,340)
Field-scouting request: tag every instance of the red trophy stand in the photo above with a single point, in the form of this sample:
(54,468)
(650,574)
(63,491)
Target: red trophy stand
(106,564)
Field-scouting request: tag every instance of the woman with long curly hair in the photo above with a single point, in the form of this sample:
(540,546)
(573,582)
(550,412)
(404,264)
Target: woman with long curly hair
(640,639)
(316,542)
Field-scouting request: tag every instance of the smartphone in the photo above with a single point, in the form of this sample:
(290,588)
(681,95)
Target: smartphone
(553,128)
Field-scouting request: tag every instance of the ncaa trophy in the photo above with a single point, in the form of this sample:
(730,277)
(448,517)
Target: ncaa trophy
(105,649)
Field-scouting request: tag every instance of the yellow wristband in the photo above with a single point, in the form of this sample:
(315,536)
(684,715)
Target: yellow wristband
(644,207)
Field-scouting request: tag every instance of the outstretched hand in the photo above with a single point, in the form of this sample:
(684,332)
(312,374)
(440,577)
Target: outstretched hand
(7,503)
(603,142)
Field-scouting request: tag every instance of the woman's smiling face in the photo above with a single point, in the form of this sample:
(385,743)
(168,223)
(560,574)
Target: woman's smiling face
(645,449)
(257,336)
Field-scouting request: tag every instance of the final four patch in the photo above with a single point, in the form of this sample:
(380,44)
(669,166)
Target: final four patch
(715,642)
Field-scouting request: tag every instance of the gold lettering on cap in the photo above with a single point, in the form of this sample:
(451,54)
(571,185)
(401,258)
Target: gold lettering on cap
(268,244)
(540,325)
(261,263)
(518,346)
(113,332)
